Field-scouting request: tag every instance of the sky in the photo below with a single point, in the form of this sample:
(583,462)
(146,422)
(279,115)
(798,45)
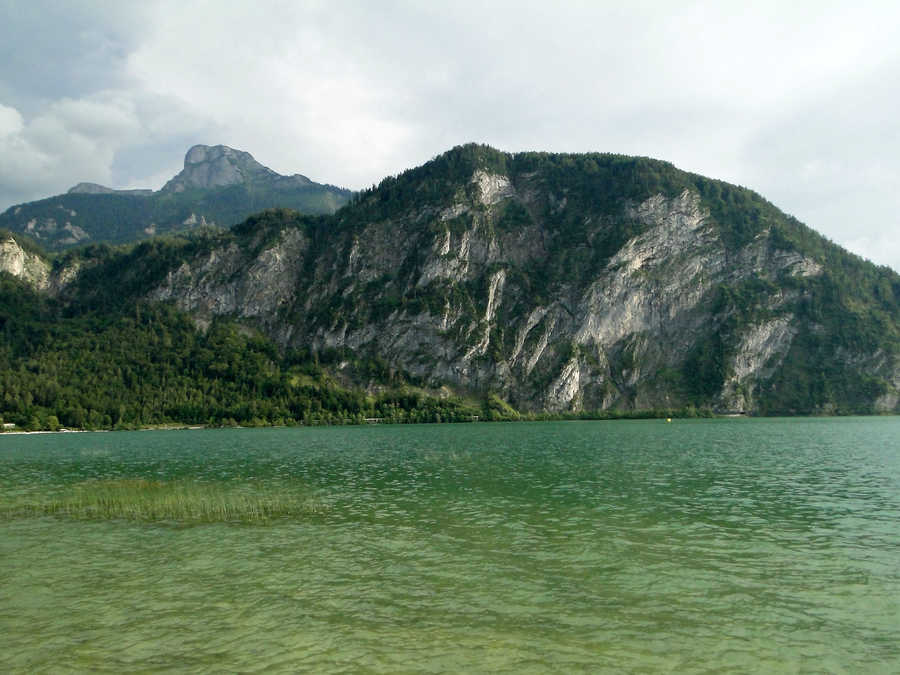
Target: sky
(798,101)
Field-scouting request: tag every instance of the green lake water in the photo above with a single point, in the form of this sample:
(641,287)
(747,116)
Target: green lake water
(709,546)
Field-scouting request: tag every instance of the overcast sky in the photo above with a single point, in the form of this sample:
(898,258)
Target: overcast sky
(799,101)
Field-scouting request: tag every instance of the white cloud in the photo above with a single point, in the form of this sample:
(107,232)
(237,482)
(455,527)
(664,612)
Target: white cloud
(832,162)
(10,121)
(70,141)
(881,248)
(285,90)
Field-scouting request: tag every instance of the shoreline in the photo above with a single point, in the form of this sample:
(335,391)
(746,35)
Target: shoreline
(666,420)
(174,427)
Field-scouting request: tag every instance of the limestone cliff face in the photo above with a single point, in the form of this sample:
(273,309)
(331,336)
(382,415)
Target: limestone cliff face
(29,267)
(207,167)
(231,281)
(510,287)
(34,269)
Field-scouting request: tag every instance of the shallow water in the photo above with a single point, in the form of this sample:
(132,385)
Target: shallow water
(693,547)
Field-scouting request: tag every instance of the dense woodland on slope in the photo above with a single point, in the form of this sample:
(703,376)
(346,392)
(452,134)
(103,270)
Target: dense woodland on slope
(123,366)
(100,356)
(149,365)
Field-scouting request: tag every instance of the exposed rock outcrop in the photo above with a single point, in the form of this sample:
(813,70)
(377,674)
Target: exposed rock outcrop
(29,267)
(447,292)
(209,167)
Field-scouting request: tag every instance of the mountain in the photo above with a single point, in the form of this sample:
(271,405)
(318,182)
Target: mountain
(218,187)
(95,189)
(493,284)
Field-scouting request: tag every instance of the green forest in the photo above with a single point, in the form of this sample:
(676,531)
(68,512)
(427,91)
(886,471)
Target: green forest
(151,366)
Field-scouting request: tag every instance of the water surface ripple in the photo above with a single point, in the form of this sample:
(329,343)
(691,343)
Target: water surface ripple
(693,547)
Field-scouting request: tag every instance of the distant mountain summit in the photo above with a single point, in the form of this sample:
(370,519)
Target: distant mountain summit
(219,186)
(209,167)
(95,189)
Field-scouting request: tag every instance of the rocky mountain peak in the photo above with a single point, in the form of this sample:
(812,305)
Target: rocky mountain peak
(214,166)
(207,154)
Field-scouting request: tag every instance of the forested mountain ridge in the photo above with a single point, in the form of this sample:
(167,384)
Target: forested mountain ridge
(218,187)
(529,282)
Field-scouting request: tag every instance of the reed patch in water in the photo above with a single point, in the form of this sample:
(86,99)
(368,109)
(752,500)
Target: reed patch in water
(178,501)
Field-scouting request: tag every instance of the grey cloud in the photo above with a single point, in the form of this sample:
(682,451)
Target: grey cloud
(52,50)
(834,164)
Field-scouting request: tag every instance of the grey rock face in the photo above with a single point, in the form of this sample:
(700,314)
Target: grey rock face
(31,268)
(601,339)
(35,270)
(230,282)
(216,166)
(761,349)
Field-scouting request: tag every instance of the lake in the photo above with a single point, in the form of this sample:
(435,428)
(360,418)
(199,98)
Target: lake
(701,546)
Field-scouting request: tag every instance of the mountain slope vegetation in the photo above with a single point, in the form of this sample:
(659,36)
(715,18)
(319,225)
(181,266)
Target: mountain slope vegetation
(480,284)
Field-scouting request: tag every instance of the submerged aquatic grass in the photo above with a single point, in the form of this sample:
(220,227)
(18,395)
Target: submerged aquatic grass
(178,501)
